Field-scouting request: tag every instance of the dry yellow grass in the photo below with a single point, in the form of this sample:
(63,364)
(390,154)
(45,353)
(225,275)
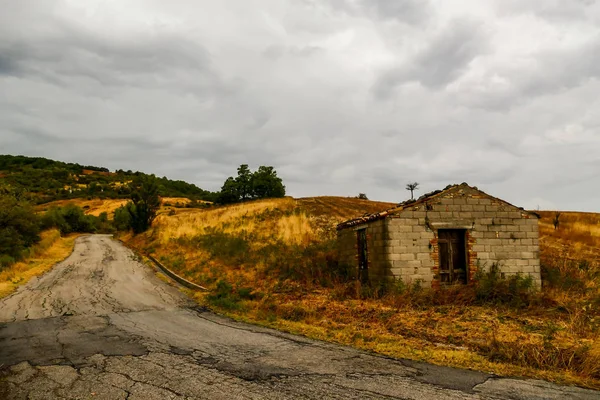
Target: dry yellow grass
(98,206)
(52,249)
(240,217)
(90,207)
(542,341)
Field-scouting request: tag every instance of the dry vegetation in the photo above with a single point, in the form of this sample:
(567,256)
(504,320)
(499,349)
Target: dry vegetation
(98,206)
(50,250)
(272,262)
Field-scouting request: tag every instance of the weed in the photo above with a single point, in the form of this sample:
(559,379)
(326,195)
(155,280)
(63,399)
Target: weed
(492,287)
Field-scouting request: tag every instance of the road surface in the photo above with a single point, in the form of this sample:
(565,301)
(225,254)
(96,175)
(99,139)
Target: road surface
(101,325)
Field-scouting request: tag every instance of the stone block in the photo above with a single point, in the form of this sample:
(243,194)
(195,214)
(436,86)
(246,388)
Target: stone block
(392,243)
(407,256)
(399,249)
(394,257)
(428,263)
(423,256)
(479,247)
(413,235)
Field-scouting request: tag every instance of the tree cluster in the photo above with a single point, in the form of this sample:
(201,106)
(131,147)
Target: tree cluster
(248,185)
(48,180)
(19,226)
(141,211)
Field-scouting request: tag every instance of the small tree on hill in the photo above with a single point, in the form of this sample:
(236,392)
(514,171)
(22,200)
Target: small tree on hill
(244,182)
(229,192)
(263,183)
(412,187)
(266,183)
(144,202)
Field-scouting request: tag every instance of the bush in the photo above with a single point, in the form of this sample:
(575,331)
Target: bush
(19,227)
(492,287)
(225,297)
(122,218)
(6,261)
(71,218)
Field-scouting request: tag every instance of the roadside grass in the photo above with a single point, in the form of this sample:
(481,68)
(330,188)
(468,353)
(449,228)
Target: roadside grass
(273,262)
(50,250)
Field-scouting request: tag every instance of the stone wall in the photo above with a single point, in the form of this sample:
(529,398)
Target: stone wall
(496,232)
(378,264)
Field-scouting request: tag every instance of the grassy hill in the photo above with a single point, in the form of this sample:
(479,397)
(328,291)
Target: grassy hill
(272,262)
(47,180)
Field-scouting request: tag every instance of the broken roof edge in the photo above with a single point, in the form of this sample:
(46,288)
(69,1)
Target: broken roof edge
(424,198)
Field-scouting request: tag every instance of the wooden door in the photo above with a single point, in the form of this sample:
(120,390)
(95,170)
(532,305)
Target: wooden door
(363,256)
(453,259)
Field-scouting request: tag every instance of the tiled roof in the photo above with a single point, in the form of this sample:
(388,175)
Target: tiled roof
(411,203)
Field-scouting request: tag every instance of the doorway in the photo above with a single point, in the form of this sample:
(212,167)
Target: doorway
(363,256)
(453,256)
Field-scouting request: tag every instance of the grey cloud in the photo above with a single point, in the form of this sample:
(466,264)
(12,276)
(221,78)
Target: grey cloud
(441,62)
(193,89)
(557,10)
(411,12)
(545,73)
(275,52)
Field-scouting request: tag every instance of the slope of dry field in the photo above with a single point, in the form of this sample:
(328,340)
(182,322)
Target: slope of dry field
(97,206)
(272,262)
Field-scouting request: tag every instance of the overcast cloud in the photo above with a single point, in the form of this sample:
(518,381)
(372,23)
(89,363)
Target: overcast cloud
(340,96)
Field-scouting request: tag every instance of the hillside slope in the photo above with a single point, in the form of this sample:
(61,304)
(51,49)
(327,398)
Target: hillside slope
(273,262)
(47,180)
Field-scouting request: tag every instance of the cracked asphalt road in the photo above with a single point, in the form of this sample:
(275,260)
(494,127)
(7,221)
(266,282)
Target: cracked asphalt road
(101,325)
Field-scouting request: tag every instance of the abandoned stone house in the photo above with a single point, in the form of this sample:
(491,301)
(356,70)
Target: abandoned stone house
(442,238)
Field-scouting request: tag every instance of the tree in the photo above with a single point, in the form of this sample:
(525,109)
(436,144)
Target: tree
(145,202)
(412,187)
(19,227)
(122,218)
(229,192)
(260,184)
(362,196)
(266,183)
(244,182)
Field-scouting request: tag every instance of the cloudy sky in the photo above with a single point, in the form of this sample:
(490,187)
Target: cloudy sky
(340,96)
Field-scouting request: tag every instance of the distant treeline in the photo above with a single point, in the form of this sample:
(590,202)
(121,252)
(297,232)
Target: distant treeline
(47,180)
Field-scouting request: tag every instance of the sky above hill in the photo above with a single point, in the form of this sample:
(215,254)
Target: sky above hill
(339,96)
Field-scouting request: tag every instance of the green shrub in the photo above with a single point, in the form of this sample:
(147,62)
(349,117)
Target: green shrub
(229,248)
(19,227)
(122,218)
(71,218)
(225,297)
(6,261)
(492,286)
